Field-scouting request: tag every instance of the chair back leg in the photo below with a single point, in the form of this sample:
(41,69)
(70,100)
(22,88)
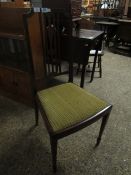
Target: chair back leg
(93,69)
(100,66)
(36,114)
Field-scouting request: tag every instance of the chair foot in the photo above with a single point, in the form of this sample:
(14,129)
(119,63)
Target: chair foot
(90,80)
(78,69)
(36,118)
(98,142)
(54,153)
(103,124)
(36,115)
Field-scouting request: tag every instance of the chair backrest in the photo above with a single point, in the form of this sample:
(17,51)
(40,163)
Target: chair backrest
(52,29)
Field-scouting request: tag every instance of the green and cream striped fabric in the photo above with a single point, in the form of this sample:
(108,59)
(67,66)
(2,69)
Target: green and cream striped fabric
(68,104)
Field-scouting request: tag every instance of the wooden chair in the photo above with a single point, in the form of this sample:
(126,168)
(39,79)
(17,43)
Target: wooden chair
(67,108)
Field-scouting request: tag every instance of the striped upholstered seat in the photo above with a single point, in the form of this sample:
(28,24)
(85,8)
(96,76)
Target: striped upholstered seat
(68,104)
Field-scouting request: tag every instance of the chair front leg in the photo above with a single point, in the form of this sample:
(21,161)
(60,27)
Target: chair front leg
(70,71)
(100,67)
(36,112)
(53,143)
(78,69)
(103,124)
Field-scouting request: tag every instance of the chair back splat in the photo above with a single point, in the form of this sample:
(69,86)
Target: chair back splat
(52,27)
(67,108)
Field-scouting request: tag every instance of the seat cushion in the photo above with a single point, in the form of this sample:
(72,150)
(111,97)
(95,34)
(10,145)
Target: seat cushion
(68,104)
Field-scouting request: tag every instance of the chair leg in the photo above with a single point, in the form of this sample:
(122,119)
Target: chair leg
(100,67)
(48,68)
(54,153)
(59,68)
(70,71)
(36,114)
(93,69)
(83,76)
(103,124)
(78,69)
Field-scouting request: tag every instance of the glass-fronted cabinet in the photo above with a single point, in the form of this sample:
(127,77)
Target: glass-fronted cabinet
(102,7)
(15,3)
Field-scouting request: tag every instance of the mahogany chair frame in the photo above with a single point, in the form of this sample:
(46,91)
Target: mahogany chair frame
(54,137)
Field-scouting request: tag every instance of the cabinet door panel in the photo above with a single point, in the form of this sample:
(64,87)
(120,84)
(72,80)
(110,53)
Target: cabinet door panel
(7,80)
(23,86)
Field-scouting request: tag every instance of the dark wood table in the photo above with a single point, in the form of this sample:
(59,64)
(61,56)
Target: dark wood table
(86,36)
(109,29)
(106,24)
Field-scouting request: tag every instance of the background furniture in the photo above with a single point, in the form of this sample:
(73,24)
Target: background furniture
(72,7)
(74,53)
(122,43)
(109,29)
(16,3)
(99,60)
(103,7)
(14,77)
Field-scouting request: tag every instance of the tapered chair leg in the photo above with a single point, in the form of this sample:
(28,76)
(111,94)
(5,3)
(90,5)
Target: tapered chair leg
(93,69)
(83,76)
(78,69)
(103,124)
(100,67)
(59,68)
(54,153)
(36,114)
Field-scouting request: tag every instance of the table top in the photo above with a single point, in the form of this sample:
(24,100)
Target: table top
(87,34)
(107,23)
(124,20)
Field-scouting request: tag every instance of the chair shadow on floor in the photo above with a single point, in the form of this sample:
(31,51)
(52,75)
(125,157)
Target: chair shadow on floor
(27,155)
